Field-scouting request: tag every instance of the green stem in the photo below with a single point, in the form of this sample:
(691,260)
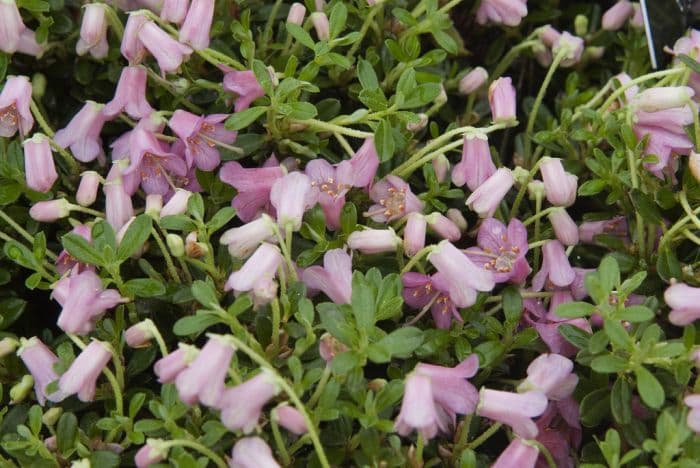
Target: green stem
(158,337)
(538,208)
(509,57)
(639,222)
(213,271)
(313,433)
(484,436)
(172,271)
(22,232)
(418,457)
(267,32)
(429,157)
(329,127)
(417,257)
(275,306)
(86,210)
(279,442)
(524,295)
(363,29)
(319,388)
(649,76)
(198,447)
(523,189)
(539,243)
(540,214)
(69,159)
(217,58)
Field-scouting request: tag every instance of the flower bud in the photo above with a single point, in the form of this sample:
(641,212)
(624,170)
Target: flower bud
(194,249)
(8,346)
(177,204)
(174,11)
(565,228)
(663,97)
(457,217)
(11,26)
(93,32)
(139,335)
(443,227)
(50,211)
(196,28)
(571,46)
(614,18)
(473,80)
(502,100)
(151,453)
(21,389)
(175,245)
(296,14)
(441,166)
(414,233)
(535,190)
(581,25)
(38,85)
(290,418)
(320,22)
(154,204)
(39,169)
(51,416)
(560,186)
(418,126)
(371,241)
(87,190)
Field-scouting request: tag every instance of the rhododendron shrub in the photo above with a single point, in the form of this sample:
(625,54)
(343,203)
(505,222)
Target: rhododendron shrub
(339,233)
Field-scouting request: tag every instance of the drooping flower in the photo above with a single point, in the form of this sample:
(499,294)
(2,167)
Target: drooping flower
(393,200)
(197,26)
(616,16)
(149,454)
(131,47)
(476,165)
(331,183)
(463,277)
(414,233)
(65,262)
(551,374)
(253,186)
(261,266)
(616,226)
(84,301)
(296,14)
(40,360)
(152,161)
(244,85)
(139,334)
(290,418)
(200,136)
(450,388)
(87,190)
(570,46)
(473,80)
(565,228)
(174,11)
(334,278)
(502,100)
(168,52)
(243,240)
(50,210)
(291,196)
(371,241)
(81,377)
(93,32)
(485,199)
(177,204)
(29,46)
(130,95)
(39,168)
(662,98)
(242,405)
(169,367)
(513,409)
(14,105)
(555,267)
(118,205)
(502,250)
(11,26)
(508,12)
(518,454)
(252,452)
(82,134)
(204,378)
(559,185)
(684,302)
(364,164)
(418,409)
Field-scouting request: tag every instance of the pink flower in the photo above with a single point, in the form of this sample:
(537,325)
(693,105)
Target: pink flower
(40,360)
(518,454)
(330,183)
(451,391)
(82,134)
(684,302)
(241,405)
(197,26)
(93,32)
(50,210)
(662,98)
(296,14)
(29,46)
(130,96)
(291,419)
(252,452)
(204,379)
(476,165)
(559,185)
(508,12)
(393,200)
(372,241)
(560,431)
(414,233)
(473,80)
(571,46)
(39,169)
(555,267)
(551,374)
(14,105)
(502,100)
(565,228)
(174,11)
(253,187)
(329,347)
(149,455)
(81,377)
(177,204)
(547,324)
(170,366)
(244,85)
(463,277)
(693,420)
(418,409)
(666,130)
(139,334)
(87,190)
(502,250)
(615,16)
(334,278)
(65,262)
(200,136)
(291,196)
(616,226)
(320,22)
(243,240)
(152,160)
(167,51)
(84,301)
(485,199)
(513,409)
(364,164)
(420,290)
(131,47)
(118,206)
(261,266)
(11,26)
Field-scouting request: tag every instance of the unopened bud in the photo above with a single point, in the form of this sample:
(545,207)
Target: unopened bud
(175,245)
(441,166)
(457,217)
(418,126)
(38,85)
(521,175)
(154,203)
(140,334)
(296,14)
(194,249)
(50,211)
(581,25)
(694,164)
(320,22)
(8,346)
(535,190)
(87,190)
(473,80)
(441,97)
(376,384)
(20,390)
(51,416)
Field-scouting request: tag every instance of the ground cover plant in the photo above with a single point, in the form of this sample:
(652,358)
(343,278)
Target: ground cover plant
(400,233)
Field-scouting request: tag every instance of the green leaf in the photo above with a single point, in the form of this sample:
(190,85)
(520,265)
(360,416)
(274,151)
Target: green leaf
(620,401)
(81,250)
(667,264)
(299,110)
(104,459)
(617,333)
(195,324)
(136,235)
(374,99)
(363,302)
(366,75)
(300,35)
(512,304)
(4,61)
(649,388)
(574,309)
(594,407)
(348,218)
(609,273)
(345,362)
(631,284)
(337,19)
(263,76)
(240,305)
(220,219)
(244,118)
(445,41)
(11,308)
(402,342)
(635,313)
(646,207)
(574,335)
(689,62)
(21,255)
(145,287)
(384,141)
(206,294)
(66,432)
(609,364)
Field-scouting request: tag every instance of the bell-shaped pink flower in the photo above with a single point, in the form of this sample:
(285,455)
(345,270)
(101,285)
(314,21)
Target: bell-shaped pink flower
(148,455)
(476,165)
(242,241)
(329,347)
(130,96)
(168,52)
(244,85)
(39,168)
(502,100)
(570,46)
(451,391)
(418,409)
(14,105)
(119,208)
(290,418)
(253,187)
(334,278)
(473,80)
(616,226)
(330,183)
(131,47)
(485,199)
(170,366)
(443,227)
(616,16)
(82,134)
(693,419)
(508,12)
(565,228)
(11,26)
(364,164)
(50,210)
(177,204)
(252,452)
(29,46)
(393,200)
(263,264)
(152,160)
(242,405)
(559,185)
(551,374)
(197,26)
(421,290)
(414,233)
(662,98)
(320,22)
(40,360)
(200,135)
(204,379)
(372,241)
(502,250)
(87,190)
(463,277)
(93,32)
(291,196)
(560,431)
(555,267)
(84,302)
(518,454)
(684,302)
(65,262)
(296,14)
(81,377)
(174,11)
(513,409)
